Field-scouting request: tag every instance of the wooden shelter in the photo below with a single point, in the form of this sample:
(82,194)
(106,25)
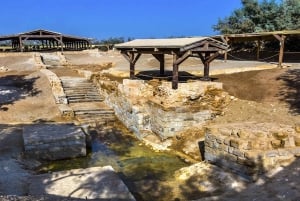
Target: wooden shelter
(280,36)
(207,49)
(46,40)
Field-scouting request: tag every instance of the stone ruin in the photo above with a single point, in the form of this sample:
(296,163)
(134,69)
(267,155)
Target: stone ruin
(251,149)
(156,107)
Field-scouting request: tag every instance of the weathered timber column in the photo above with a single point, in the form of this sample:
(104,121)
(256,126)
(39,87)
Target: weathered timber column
(131,70)
(161,59)
(225,41)
(175,72)
(281,51)
(206,66)
(132,59)
(178,58)
(61,43)
(206,59)
(258,49)
(20,44)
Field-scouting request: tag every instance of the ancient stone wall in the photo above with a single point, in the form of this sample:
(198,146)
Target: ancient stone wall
(159,109)
(56,86)
(250,149)
(166,122)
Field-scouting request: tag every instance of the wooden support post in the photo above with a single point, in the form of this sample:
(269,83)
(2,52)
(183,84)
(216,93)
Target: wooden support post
(61,44)
(175,72)
(225,40)
(258,49)
(132,58)
(161,59)
(206,60)
(206,67)
(20,44)
(281,51)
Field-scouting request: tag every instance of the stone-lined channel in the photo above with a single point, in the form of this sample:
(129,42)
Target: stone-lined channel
(131,159)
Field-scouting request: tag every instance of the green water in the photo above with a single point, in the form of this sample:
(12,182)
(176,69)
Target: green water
(117,147)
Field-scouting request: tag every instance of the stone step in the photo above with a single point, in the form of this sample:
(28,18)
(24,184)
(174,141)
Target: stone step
(86,101)
(86,119)
(79,91)
(83,100)
(89,89)
(102,112)
(77,85)
(83,95)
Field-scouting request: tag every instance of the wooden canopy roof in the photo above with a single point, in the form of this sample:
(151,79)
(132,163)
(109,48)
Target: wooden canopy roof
(207,49)
(173,44)
(257,36)
(280,36)
(48,38)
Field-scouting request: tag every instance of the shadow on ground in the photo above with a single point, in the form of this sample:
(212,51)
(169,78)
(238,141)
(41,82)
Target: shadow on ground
(282,185)
(14,88)
(291,91)
(183,76)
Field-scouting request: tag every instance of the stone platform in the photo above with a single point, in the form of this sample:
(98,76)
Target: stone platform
(250,149)
(54,141)
(97,183)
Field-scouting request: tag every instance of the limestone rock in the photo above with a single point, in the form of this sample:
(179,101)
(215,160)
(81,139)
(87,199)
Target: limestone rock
(53,142)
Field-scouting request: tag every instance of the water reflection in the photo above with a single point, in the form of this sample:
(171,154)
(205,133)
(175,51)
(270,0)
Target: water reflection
(116,146)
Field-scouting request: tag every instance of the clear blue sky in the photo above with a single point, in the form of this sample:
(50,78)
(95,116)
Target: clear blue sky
(101,19)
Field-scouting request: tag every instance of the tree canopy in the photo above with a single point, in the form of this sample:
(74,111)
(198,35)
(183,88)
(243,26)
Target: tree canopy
(261,16)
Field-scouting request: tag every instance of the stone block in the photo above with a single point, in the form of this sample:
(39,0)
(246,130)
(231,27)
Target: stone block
(53,142)
(230,157)
(238,153)
(271,153)
(96,183)
(247,145)
(234,143)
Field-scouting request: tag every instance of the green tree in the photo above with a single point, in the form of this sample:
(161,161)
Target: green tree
(290,12)
(259,16)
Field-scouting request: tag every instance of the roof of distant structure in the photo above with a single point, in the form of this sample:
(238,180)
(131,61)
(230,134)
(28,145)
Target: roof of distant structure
(258,35)
(40,34)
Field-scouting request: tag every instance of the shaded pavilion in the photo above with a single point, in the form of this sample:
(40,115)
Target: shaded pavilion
(280,36)
(207,49)
(46,40)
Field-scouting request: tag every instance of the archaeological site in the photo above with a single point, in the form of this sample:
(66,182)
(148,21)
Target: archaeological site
(149,119)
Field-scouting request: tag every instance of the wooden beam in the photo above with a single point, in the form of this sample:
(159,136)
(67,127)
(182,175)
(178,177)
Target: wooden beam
(126,56)
(206,67)
(258,49)
(175,72)
(192,46)
(161,59)
(20,44)
(206,60)
(225,40)
(136,57)
(281,50)
(183,57)
(39,36)
(132,59)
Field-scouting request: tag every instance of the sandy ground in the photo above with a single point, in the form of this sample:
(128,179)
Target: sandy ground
(259,96)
